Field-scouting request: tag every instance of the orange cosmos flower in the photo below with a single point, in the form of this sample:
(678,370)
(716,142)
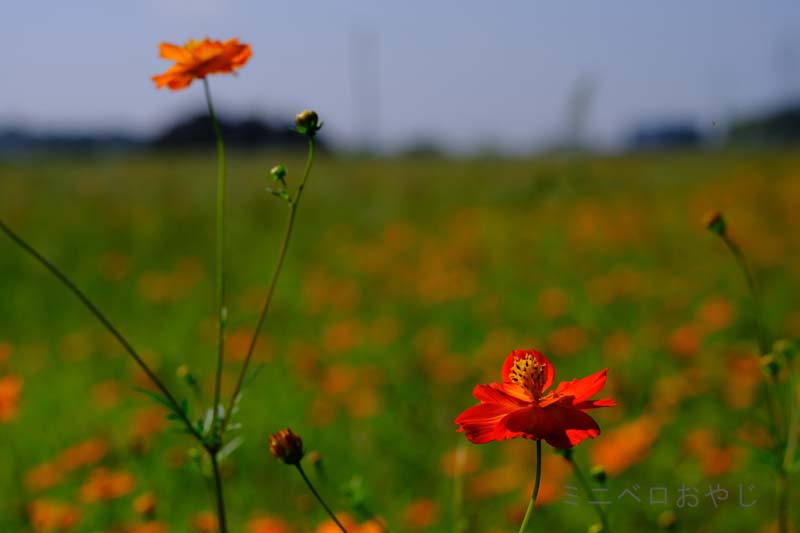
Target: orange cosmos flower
(104,484)
(198,59)
(10,389)
(518,407)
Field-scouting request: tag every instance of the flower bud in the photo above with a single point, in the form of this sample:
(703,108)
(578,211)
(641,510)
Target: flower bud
(183,372)
(770,365)
(566,453)
(598,473)
(715,223)
(287,446)
(307,122)
(595,528)
(784,349)
(278,173)
(667,520)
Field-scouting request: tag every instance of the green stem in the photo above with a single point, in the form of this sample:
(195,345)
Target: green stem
(532,504)
(761,336)
(459,520)
(293,205)
(319,498)
(106,323)
(222,521)
(794,421)
(773,405)
(222,312)
(588,490)
(761,333)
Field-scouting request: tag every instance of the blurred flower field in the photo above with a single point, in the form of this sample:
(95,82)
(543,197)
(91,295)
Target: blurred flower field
(409,281)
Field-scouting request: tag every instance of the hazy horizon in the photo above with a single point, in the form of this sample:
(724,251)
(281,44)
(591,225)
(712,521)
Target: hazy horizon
(464,74)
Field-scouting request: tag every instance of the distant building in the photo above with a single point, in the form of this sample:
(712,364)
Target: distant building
(667,136)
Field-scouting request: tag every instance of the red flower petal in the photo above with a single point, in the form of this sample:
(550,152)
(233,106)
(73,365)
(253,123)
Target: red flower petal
(584,388)
(594,404)
(481,423)
(561,427)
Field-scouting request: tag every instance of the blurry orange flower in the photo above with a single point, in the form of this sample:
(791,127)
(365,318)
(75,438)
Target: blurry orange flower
(459,461)
(268,524)
(148,527)
(10,389)
(204,522)
(145,505)
(517,407)
(627,444)
(104,484)
(370,526)
(198,59)
(421,514)
(87,453)
(5,351)
(43,477)
(46,515)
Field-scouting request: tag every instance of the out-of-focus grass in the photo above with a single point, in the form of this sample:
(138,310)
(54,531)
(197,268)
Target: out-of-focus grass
(408,282)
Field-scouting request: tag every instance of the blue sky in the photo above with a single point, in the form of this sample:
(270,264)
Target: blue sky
(466,72)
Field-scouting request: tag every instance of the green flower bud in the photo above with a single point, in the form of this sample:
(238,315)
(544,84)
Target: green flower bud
(598,473)
(770,365)
(278,173)
(667,520)
(784,349)
(715,223)
(307,122)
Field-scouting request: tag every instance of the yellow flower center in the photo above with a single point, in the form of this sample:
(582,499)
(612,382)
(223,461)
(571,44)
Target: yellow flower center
(528,373)
(192,44)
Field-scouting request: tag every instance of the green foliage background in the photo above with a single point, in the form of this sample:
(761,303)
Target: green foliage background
(408,281)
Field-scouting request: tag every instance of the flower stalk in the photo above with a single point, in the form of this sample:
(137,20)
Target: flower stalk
(287,446)
(222,312)
(526,522)
(294,203)
(168,398)
(601,514)
(785,442)
(318,497)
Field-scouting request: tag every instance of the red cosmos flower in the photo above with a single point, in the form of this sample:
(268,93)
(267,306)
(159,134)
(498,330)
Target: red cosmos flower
(517,407)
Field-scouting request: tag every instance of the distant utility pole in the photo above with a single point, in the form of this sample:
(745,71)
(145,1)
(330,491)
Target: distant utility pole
(365,88)
(579,107)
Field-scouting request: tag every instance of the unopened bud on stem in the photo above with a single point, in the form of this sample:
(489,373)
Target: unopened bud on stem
(307,122)
(715,223)
(287,446)
(598,473)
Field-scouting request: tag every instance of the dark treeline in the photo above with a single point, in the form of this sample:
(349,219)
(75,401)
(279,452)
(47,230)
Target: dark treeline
(194,132)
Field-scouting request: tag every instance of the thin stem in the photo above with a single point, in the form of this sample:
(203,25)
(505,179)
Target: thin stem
(319,498)
(106,323)
(761,334)
(222,521)
(585,484)
(794,421)
(773,406)
(459,521)
(222,312)
(788,457)
(529,513)
(293,205)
